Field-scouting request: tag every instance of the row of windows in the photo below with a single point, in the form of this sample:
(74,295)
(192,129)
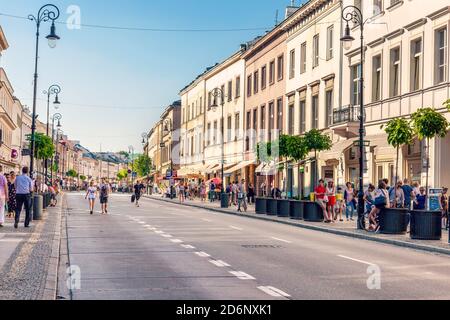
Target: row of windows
(259,80)
(213,130)
(415,68)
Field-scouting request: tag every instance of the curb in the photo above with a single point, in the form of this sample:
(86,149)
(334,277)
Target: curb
(398,243)
(51,283)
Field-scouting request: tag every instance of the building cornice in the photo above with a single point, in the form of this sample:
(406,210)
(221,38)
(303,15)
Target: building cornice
(395,34)
(3,42)
(416,24)
(437,14)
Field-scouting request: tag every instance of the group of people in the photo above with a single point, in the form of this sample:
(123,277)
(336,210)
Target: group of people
(335,201)
(15,194)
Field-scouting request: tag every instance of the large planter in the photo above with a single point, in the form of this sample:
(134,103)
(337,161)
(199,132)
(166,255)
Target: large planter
(284,208)
(261,205)
(426,225)
(393,221)
(272,207)
(312,212)
(297,208)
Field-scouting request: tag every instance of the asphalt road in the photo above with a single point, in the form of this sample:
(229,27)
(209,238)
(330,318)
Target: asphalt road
(168,252)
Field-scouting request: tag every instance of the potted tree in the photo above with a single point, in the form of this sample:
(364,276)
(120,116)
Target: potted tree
(399,133)
(263,153)
(427,124)
(315,142)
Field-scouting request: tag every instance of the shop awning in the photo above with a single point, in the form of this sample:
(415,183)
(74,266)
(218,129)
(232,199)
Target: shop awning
(337,150)
(239,166)
(211,168)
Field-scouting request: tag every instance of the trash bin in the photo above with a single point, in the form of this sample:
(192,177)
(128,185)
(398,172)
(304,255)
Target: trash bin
(38,201)
(224,201)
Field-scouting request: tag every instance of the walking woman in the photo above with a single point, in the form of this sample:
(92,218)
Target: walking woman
(350,202)
(203,191)
(12,203)
(331,204)
(181,192)
(91,195)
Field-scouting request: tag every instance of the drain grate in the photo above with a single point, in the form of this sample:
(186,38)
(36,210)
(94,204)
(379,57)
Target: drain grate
(261,246)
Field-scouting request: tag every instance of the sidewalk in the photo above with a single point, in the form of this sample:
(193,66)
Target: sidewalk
(29,258)
(347,229)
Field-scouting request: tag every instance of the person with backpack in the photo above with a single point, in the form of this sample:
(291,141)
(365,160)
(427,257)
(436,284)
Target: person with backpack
(138,188)
(381,201)
(105,190)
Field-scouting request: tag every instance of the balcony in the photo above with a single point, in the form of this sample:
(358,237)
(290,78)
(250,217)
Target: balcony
(346,121)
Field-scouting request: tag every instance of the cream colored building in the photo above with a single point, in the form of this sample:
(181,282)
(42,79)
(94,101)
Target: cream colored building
(406,68)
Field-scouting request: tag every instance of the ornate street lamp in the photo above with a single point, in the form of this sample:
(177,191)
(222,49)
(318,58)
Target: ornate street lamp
(218,93)
(354,14)
(57,117)
(52,90)
(48,12)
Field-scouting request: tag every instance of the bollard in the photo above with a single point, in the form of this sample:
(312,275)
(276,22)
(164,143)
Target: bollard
(37,207)
(44,201)
(224,200)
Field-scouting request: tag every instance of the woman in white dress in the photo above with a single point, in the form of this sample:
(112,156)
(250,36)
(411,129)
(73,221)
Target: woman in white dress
(91,195)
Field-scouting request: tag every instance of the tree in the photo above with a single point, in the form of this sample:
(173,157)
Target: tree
(72,173)
(264,152)
(428,124)
(142,165)
(122,174)
(317,142)
(83,178)
(399,133)
(44,148)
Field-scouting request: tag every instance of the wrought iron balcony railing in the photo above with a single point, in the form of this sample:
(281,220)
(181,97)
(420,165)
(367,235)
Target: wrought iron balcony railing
(346,114)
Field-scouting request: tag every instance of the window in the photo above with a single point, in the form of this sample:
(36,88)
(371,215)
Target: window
(303,58)
(292,64)
(302,116)
(248,128)
(208,135)
(329,107)
(356,73)
(440,48)
(280,66)
(222,94)
(377,7)
(237,126)
(238,87)
(201,105)
(255,125)
(249,85)
(416,65)
(376,78)
(272,72)
(315,112)
(215,133)
(263,77)
(330,42)
(280,115)
(271,119)
(256,82)
(188,113)
(316,51)
(229,129)
(230,91)
(393,2)
(209,100)
(291,114)
(263,117)
(394,78)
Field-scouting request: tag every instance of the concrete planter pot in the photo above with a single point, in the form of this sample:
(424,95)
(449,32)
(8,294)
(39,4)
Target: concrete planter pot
(426,225)
(394,221)
(272,207)
(261,205)
(297,208)
(284,208)
(312,212)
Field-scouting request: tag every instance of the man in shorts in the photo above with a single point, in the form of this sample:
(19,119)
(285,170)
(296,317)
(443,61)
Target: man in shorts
(105,190)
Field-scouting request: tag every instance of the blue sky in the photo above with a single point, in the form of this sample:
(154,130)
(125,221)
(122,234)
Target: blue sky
(136,72)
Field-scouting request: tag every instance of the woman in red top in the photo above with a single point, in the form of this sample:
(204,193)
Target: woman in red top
(322,200)
(331,194)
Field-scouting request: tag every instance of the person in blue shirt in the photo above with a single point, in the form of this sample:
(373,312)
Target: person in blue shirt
(421,200)
(407,190)
(24,189)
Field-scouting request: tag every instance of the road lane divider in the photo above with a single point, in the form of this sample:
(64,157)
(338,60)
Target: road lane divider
(282,240)
(236,228)
(187,246)
(274,292)
(242,275)
(356,260)
(176,240)
(203,254)
(219,263)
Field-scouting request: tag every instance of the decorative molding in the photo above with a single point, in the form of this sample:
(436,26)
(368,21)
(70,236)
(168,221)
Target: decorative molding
(439,13)
(314,83)
(416,24)
(329,77)
(355,52)
(395,34)
(376,42)
(303,88)
(290,94)
(395,5)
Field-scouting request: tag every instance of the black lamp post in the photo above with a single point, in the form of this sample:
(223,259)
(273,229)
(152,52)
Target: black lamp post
(353,14)
(45,13)
(57,117)
(52,90)
(218,93)
(131,153)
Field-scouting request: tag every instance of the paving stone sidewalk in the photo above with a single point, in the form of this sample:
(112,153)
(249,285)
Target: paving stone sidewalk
(341,228)
(29,272)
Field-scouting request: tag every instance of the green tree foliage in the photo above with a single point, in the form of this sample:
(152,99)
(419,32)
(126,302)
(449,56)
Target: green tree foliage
(142,165)
(44,148)
(317,141)
(400,133)
(83,178)
(72,173)
(122,174)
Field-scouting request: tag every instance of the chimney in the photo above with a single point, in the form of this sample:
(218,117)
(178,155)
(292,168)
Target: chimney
(243,46)
(291,9)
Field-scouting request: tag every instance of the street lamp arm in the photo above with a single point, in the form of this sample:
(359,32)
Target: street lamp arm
(46,13)
(353,14)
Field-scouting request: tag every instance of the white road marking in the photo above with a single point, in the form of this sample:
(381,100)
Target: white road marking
(274,292)
(203,254)
(159,232)
(176,240)
(242,275)
(356,260)
(207,220)
(166,235)
(282,240)
(141,222)
(147,226)
(236,228)
(187,246)
(219,263)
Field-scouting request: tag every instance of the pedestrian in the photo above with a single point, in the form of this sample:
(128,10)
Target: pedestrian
(321,199)
(339,205)
(263,190)
(397,196)
(12,203)
(203,191)
(105,190)
(381,201)
(444,207)
(138,189)
(234,192)
(408,192)
(369,198)
(24,188)
(350,201)
(4,196)
(331,204)
(242,196)
(251,193)
(91,195)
